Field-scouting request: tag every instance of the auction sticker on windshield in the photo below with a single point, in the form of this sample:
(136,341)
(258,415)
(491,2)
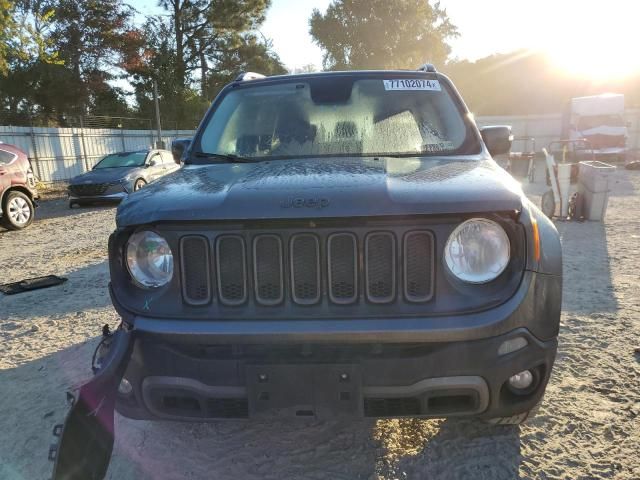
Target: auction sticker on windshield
(412,84)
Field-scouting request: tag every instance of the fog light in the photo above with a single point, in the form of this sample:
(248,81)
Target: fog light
(125,387)
(512,345)
(522,380)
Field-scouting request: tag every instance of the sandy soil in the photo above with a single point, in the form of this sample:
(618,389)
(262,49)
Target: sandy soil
(588,427)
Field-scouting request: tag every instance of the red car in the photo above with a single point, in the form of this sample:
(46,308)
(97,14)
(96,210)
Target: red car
(17,188)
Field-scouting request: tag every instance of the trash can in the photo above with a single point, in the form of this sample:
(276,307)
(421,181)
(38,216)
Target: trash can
(519,164)
(593,184)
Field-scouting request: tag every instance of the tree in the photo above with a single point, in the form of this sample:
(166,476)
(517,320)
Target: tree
(252,54)
(155,60)
(28,53)
(91,37)
(194,51)
(385,34)
(7,30)
(308,68)
(206,28)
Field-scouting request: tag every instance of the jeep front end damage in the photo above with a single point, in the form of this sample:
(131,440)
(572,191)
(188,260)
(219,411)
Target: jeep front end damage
(87,435)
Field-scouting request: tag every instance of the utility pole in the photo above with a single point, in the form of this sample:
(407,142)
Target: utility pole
(159,143)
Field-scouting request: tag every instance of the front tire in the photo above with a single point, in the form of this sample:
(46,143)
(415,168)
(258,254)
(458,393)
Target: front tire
(17,211)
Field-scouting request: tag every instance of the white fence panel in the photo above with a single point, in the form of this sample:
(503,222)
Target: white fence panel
(548,128)
(58,154)
(544,128)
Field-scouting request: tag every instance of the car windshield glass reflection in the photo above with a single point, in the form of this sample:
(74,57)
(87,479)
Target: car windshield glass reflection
(128,159)
(363,117)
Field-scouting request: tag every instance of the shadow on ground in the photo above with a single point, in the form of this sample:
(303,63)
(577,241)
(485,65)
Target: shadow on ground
(337,449)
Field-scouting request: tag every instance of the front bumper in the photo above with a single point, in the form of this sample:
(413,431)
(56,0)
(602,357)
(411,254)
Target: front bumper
(201,383)
(110,197)
(431,366)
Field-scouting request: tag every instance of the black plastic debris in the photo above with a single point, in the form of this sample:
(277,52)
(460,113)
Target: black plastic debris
(31,284)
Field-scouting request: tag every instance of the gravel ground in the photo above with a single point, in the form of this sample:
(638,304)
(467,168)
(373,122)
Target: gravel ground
(588,427)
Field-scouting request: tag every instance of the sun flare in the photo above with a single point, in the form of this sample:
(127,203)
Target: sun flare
(597,43)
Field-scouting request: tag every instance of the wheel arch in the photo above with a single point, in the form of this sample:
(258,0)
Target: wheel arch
(16,188)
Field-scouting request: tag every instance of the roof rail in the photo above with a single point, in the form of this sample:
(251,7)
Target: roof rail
(427,67)
(244,76)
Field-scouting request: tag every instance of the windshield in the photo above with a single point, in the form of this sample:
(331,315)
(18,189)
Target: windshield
(336,117)
(126,159)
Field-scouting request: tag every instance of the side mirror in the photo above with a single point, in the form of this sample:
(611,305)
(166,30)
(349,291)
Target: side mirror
(152,163)
(497,139)
(178,147)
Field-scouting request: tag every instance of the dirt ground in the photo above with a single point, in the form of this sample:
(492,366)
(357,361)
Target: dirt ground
(588,427)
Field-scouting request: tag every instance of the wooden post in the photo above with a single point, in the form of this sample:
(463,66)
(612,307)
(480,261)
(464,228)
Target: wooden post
(34,145)
(159,144)
(124,145)
(83,146)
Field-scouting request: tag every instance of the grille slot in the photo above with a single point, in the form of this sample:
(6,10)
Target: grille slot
(305,269)
(267,268)
(194,257)
(342,253)
(380,263)
(231,271)
(89,190)
(418,266)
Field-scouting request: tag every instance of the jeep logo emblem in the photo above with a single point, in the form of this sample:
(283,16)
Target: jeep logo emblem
(300,202)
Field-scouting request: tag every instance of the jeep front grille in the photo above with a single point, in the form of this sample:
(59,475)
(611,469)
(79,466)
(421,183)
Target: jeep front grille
(380,266)
(305,269)
(231,263)
(194,255)
(418,266)
(308,268)
(343,267)
(267,260)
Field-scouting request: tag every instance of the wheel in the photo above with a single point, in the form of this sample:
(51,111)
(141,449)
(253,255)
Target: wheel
(516,419)
(139,184)
(17,211)
(548,204)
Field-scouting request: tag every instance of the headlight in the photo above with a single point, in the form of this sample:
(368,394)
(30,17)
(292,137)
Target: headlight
(477,251)
(149,259)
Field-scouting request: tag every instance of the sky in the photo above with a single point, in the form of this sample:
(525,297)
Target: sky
(580,35)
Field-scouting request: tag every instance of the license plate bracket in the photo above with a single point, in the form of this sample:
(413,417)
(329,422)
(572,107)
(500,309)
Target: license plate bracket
(309,390)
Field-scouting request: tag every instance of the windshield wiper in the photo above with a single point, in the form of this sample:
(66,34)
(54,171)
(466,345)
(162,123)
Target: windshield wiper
(229,157)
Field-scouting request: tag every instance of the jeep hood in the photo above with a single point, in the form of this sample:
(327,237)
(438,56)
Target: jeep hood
(324,187)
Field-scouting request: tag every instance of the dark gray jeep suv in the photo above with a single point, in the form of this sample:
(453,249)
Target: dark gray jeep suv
(336,244)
